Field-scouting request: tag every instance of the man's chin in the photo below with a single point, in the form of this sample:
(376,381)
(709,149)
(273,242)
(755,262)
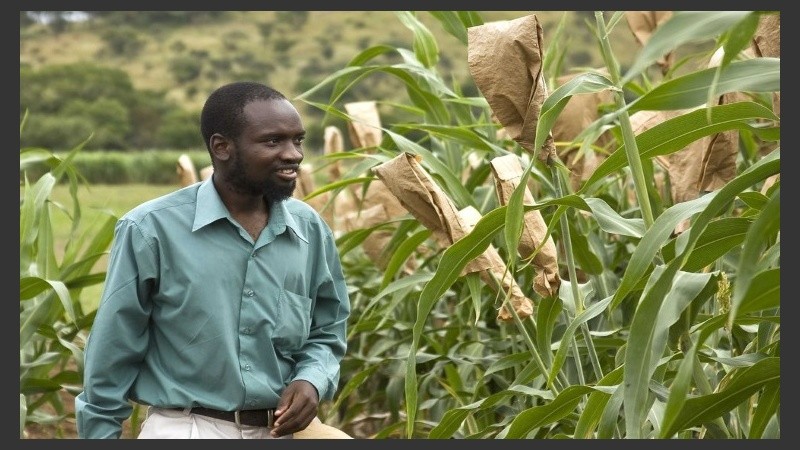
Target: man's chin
(279,193)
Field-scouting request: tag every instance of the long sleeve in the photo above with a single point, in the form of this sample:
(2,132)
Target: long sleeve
(118,339)
(318,361)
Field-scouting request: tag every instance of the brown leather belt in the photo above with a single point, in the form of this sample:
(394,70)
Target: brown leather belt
(252,417)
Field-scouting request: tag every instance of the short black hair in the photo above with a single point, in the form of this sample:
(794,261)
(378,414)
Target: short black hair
(224,109)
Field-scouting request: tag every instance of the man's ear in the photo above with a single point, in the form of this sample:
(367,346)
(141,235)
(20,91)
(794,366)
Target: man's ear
(220,146)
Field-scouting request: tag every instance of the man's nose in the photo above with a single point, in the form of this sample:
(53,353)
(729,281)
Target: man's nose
(292,152)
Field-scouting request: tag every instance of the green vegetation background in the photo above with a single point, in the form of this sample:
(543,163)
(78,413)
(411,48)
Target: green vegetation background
(136,80)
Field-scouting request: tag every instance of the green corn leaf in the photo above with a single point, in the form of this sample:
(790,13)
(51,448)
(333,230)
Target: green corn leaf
(763,292)
(694,89)
(766,225)
(401,254)
(585,83)
(683,27)
(667,295)
(768,405)
(720,237)
(744,383)
(457,22)
(641,261)
(675,134)
(561,354)
(538,416)
(425,46)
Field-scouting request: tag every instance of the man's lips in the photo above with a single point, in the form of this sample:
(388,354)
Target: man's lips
(288,174)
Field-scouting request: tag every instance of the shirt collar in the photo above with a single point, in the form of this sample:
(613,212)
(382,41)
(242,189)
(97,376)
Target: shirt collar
(210,209)
(209,206)
(286,219)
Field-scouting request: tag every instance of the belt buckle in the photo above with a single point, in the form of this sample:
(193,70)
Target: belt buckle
(270,418)
(237,419)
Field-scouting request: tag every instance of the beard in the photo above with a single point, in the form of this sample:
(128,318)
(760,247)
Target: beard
(271,190)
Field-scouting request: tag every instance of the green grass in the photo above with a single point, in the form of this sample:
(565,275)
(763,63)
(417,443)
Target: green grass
(94,200)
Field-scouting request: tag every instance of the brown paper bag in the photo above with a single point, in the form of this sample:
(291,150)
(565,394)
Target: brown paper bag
(365,128)
(507,172)
(206,172)
(379,206)
(496,276)
(185,170)
(505,61)
(767,43)
(407,180)
(306,185)
(334,143)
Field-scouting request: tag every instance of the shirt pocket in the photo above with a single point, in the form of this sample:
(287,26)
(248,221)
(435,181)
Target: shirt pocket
(294,321)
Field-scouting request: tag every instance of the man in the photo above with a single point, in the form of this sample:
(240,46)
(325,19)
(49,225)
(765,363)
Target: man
(225,306)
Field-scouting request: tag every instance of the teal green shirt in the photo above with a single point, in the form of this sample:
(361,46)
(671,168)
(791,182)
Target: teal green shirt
(194,313)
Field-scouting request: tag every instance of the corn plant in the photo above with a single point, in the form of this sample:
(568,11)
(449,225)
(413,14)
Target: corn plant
(52,322)
(654,333)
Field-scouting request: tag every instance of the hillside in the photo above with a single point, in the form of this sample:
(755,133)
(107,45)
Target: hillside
(289,50)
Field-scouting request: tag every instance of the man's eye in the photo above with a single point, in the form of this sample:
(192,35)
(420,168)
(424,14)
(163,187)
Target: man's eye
(300,140)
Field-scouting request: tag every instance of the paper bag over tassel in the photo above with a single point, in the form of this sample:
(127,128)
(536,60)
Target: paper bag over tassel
(365,128)
(334,143)
(767,43)
(185,170)
(405,177)
(505,61)
(507,172)
(379,206)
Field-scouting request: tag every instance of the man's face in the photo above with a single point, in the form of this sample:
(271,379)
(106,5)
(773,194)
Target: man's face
(268,152)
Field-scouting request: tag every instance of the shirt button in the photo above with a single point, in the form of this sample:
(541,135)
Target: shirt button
(250,293)
(246,331)
(247,367)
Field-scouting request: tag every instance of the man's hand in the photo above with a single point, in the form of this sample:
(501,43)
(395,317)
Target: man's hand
(296,408)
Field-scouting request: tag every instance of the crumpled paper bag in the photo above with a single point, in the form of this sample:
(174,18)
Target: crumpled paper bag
(305,185)
(704,165)
(416,190)
(643,24)
(185,170)
(334,143)
(507,171)
(767,42)
(206,172)
(496,277)
(365,126)
(505,61)
(378,206)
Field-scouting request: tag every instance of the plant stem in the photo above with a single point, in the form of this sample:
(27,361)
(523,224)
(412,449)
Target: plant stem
(628,138)
(573,278)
